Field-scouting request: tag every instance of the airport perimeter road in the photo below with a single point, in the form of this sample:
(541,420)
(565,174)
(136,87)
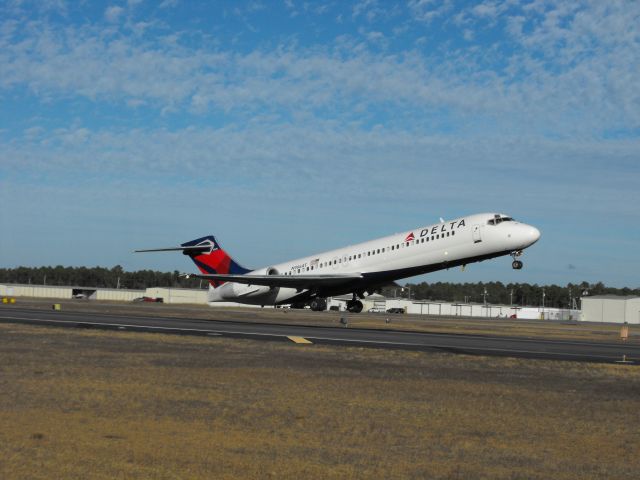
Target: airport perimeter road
(453,343)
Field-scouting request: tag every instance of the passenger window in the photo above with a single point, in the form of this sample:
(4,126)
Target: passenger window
(447,234)
(453,233)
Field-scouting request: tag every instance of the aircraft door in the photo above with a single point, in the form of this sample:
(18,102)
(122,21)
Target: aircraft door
(476,234)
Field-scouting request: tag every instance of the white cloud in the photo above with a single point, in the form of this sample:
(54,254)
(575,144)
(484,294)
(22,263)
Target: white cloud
(113,13)
(572,70)
(310,159)
(169,3)
(428,10)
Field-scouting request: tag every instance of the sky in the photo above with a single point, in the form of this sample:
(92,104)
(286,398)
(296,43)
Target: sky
(291,127)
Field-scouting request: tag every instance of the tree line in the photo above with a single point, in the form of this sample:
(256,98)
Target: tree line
(99,277)
(520,294)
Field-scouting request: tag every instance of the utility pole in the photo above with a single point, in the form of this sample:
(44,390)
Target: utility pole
(484,296)
(511,298)
(543,295)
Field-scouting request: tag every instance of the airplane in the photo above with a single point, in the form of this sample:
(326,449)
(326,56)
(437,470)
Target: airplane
(358,269)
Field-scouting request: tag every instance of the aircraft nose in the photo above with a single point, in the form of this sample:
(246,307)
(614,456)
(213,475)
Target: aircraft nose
(534,234)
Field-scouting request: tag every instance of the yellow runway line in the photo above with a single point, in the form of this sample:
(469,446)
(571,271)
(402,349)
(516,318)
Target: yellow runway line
(299,340)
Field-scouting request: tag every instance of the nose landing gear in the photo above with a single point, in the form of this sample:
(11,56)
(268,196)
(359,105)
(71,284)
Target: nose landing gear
(516,264)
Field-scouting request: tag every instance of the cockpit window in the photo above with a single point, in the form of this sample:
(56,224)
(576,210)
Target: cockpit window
(497,219)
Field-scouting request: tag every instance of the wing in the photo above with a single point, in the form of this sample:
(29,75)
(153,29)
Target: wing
(299,282)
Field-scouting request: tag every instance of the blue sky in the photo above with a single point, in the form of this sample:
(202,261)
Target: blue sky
(289,127)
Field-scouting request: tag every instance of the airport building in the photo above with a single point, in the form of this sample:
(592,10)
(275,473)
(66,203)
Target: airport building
(611,309)
(168,295)
(379,304)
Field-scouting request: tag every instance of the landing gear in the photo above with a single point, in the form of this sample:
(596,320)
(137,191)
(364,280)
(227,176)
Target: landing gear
(355,305)
(318,304)
(516,264)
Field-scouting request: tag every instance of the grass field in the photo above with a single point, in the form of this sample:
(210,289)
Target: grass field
(86,404)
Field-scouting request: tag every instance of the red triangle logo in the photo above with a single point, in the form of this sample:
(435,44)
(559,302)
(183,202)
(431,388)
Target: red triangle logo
(410,237)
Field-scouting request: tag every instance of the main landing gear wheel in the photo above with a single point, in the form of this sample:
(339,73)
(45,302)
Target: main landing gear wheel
(318,304)
(354,306)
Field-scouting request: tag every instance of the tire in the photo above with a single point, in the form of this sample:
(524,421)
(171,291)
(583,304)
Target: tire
(355,306)
(318,304)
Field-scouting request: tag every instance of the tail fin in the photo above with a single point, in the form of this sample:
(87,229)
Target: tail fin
(209,257)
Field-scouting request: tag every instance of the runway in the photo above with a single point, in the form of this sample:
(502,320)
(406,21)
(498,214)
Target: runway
(584,351)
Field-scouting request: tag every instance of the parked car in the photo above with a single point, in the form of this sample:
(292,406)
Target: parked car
(149,299)
(395,310)
(376,310)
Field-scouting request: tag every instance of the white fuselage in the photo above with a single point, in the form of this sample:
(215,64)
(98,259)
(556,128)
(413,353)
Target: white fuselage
(425,249)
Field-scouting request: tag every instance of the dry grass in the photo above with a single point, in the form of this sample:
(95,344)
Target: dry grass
(85,404)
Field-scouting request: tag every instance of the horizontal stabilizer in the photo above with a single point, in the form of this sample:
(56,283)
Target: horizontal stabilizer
(290,281)
(188,249)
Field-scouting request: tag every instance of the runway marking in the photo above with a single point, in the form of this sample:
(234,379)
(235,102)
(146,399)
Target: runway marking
(463,349)
(120,326)
(298,339)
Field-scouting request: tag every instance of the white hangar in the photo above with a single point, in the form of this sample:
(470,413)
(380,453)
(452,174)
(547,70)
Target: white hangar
(611,309)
